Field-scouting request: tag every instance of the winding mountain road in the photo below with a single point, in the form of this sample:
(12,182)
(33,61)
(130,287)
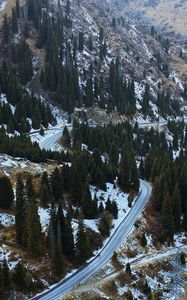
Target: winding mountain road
(48,142)
(116,240)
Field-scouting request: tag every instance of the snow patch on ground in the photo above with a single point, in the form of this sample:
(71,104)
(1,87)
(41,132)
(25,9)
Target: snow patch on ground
(7,220)
(173,76)
(44,214)
(113,193)
(3,5)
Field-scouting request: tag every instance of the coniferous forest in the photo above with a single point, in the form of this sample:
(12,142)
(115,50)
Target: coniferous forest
(92,157)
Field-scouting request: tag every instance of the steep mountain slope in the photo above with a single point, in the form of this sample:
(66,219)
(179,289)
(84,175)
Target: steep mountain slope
(100,58)
(169,15)
(65,67)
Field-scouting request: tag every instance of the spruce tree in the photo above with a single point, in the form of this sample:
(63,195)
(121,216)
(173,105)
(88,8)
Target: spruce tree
(5,274)
(176,208)
(66,137)
(61,229)
(45,196)
(6,193)
(33,232)
(17,9)
(19,277)
(82,244)
(184,222)
(87,203)
(167,217)
(81,41)
(6,30)
(51,238)
(20,211)
(135,182)
(145,103)
(128,269)
(69,247)
(90,43)
(125,172)
(56,185)
(76,191)
(14,21)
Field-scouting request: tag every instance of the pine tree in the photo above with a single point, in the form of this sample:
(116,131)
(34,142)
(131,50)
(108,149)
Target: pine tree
(141,169)
(66,138)
(6,193)
(17,9)
(51,233)
(56,185)
(6,30)
(101,35)
(152,30)
(135,182)
(20,211)
(76,191)
(99,179)
(19,277)
(114,209)
(81,41)
(30,192)
(1,279)
(167,217)
(33,232)
(101,208)
(90,43)
(184,222)
(69,247)
(105,224)
(68,7)
(128,269)
(143,240)
(45,196)
(89,93)
(82,244)
(125,172)
(113,154)
(145,103)
(5,274)
(42,131)
(87,203)
(14,21)
(61,229)
(176,207)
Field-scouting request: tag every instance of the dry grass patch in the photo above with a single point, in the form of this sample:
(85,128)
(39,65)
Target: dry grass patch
(131,253)
(110,289)
(123,278)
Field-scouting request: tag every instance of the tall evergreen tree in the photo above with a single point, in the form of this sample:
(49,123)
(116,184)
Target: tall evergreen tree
(167,217)
(56,185)
(6,30)
(20,211)
(19,277)
(176,208)
(82,244)
(33,232)
(145,103)
(87,203)
(6,193)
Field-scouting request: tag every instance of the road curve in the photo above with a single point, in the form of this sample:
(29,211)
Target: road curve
(50,141)
(116,240)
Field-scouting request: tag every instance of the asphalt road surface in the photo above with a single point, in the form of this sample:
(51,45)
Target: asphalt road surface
(116,240)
